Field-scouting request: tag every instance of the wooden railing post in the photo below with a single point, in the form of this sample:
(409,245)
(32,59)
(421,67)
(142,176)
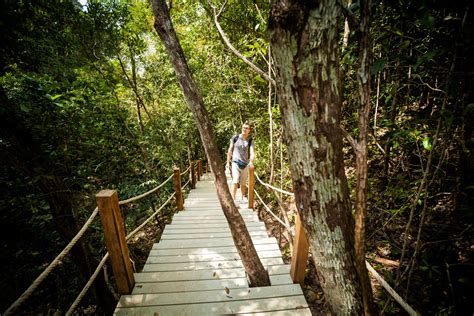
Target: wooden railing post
(299,257)
(193,175)
(114,231)
(200,167)
(251,185)
(196,164)
(207,167)
(177,187)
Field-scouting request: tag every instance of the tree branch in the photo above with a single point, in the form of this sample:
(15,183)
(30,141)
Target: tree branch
(232,48)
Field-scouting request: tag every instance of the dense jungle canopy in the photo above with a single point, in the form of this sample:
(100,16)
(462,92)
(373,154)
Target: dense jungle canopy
(89,100)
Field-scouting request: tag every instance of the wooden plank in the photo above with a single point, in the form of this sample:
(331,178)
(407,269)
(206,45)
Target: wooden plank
(197,221)
(211,274)
(214,250)
(192,217)
(209,235)
(280,279)
(289,312)
(231,307)
(279,269)
(186,286)
(162,267)
(209,257)
(170,229)
(279,291)
(173,230)
(202,265)
(207,242)
(191,225)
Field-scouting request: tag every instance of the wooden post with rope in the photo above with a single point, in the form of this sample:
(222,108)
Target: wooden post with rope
(177,187)
(207,166)
(200,168)
(114,233)
(299,257)
(198,173)
(251,185)
(193,175)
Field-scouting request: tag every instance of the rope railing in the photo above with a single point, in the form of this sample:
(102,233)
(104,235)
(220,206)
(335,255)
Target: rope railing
(104,259)
(186,184)
(51,266)
(130,235)
(185,171)
(88,285)
(376,275)
(29,291)
(141,196)
(270,211)
(274,188)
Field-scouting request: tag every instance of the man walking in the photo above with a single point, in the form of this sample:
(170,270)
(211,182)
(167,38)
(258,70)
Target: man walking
(242,153)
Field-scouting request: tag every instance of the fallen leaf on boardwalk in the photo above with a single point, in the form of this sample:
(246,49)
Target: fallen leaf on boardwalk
(226,289)
(300,307)
(214,274)
(156,314)
(229,296)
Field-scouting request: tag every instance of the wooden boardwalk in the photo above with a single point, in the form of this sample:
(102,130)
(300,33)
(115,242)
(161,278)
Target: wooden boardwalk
(195,268)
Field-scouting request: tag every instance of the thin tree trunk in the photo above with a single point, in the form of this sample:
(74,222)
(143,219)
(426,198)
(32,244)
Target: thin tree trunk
(245,247)
(270,113)
(363,78)
(305,49)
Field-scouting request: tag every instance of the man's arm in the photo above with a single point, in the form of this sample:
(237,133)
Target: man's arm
(229,153)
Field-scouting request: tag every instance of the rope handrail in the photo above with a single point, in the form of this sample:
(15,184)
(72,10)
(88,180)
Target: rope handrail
(149,218)
(51,266)
(29,291)
(104,259)
(182,188)
(377,276)
(274,188)
(88,285)
(185,171)
(138,197)
(390,290)
(270,211)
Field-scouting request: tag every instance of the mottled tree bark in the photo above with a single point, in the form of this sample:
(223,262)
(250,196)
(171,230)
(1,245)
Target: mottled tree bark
(245,247)
(305,48)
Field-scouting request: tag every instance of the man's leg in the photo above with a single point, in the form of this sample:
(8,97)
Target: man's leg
(234,190)
(235,179)
(243,181)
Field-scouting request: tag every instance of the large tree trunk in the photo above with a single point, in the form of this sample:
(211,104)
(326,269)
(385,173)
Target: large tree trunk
(245,247)
(304,43)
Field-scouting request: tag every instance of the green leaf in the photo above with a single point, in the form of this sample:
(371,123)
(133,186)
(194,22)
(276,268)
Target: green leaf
(24,108)
(427,143)
(377,66)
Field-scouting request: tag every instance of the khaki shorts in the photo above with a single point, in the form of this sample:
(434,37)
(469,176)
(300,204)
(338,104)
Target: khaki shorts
(239,175)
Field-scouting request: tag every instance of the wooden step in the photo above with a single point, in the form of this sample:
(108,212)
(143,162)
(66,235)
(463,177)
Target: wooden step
(208,250)
(214,257)
(160,267)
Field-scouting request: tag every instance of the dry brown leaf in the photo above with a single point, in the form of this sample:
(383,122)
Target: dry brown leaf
(226,289)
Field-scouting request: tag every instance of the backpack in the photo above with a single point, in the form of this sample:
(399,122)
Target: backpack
(235,137)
